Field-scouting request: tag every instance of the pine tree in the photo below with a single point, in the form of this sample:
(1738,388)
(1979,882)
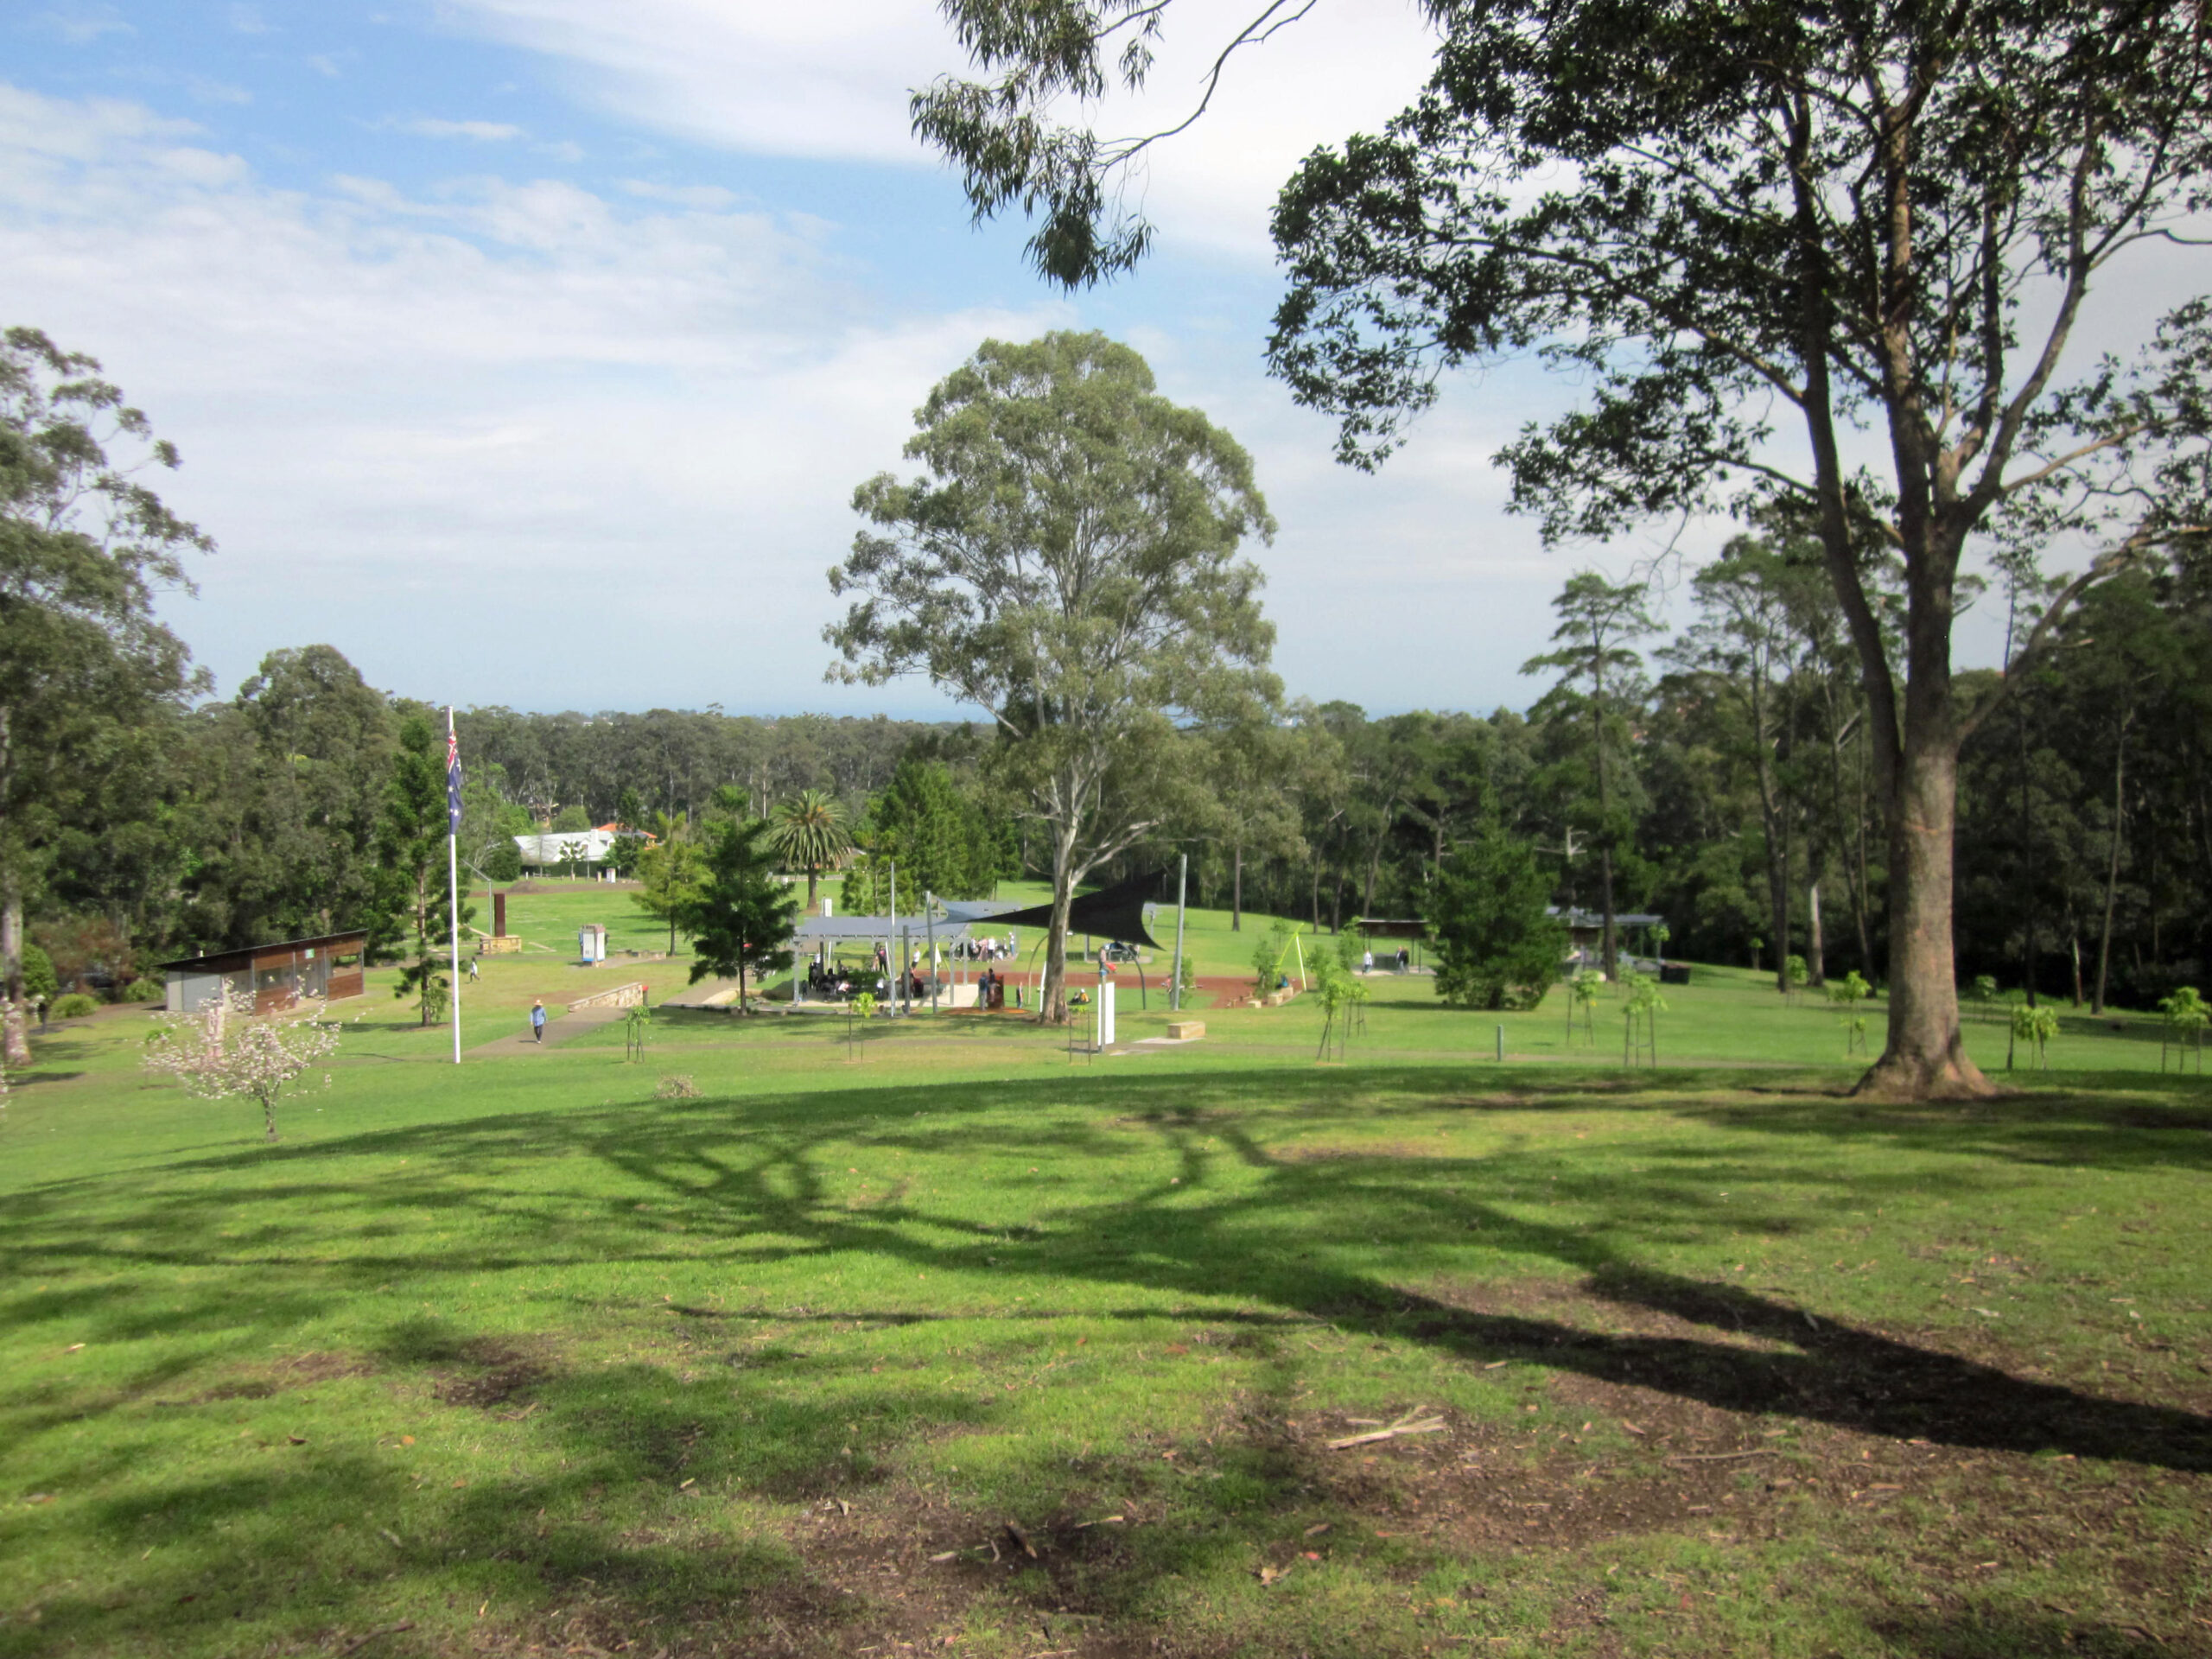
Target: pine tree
(1496,945)
(740,920)
(412,910)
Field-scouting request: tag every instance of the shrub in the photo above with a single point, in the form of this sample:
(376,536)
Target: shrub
(1268,958)
(1496,946)
(145,988)
(75,1006)
(39,979)
(503,862)
(677,1088)
(2036,1025)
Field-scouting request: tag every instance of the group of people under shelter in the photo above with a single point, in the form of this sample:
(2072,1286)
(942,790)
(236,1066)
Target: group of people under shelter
(830,980)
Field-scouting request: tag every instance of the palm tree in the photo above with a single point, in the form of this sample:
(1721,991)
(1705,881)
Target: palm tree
(810,834)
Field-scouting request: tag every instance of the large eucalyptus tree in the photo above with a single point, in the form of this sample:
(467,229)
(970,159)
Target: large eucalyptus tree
(84,546)
(1834,255)
(1067,560)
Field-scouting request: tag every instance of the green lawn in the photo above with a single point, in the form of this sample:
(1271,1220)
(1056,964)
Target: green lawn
(516,1356)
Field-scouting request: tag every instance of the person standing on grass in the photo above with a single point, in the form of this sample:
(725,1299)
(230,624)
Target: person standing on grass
(537,1021)
(1367,962)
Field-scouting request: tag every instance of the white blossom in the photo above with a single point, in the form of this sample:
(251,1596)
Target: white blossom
(227,1050)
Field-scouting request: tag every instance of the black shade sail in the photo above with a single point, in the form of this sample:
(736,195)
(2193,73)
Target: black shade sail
(1115,913)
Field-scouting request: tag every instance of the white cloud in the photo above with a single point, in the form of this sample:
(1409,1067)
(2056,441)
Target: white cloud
(217,91)
(702,198)
(248,19)
(80,25)
(504,440)
(483,132)
(832,82)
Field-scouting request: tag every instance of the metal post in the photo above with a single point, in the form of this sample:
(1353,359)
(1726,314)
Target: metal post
(891,943)
(1501,1044)
(453,869)
(929,923)
(1175,988)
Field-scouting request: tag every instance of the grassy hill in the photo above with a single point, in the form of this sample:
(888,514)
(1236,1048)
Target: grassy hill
(521,1355)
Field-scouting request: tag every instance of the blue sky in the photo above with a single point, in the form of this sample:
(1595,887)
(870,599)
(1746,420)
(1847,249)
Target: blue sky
(529,351)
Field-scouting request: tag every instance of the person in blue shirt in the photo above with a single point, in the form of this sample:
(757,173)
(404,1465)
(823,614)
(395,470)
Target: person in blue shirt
(537,1021)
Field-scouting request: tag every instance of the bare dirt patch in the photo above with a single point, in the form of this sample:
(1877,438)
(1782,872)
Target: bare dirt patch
(496,1372)
(300,1371)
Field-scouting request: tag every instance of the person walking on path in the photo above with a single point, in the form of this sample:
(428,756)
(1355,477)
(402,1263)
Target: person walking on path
(472,961)
(537,1021)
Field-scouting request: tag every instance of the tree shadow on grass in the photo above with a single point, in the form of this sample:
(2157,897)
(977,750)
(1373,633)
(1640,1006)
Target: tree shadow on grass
(1213,1213)
(2124,1121)
(1227,1197)
(1985,1632)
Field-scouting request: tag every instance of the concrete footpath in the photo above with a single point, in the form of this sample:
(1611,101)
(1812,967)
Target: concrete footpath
(559,1028)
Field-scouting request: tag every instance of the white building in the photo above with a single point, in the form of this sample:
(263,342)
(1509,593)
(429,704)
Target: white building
(564,847)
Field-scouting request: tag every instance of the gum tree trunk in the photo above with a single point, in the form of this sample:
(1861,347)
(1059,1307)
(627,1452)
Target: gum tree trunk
(16,1042)
(2112,866)
(1925,1057)
(1053,1001)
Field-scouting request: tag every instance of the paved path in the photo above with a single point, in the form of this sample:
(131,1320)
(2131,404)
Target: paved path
(706,993)
(558,1030)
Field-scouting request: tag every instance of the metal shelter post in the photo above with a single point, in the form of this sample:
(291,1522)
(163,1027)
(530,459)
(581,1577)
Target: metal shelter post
(1175,987)
(453,869)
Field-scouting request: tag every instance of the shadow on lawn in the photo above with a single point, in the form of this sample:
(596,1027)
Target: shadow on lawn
(763,1183)
(764,1188)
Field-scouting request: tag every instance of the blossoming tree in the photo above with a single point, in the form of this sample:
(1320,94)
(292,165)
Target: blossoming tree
(225,1052)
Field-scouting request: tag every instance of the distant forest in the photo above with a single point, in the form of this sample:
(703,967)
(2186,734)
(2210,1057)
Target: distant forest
(1739,802)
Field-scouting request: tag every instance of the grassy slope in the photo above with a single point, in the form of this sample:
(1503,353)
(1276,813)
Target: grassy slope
(515,1352)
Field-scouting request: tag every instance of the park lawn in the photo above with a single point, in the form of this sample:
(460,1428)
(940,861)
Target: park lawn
(517,1354)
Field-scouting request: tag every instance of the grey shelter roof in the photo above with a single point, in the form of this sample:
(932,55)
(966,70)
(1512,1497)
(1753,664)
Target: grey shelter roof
(830,930)
(1581,917)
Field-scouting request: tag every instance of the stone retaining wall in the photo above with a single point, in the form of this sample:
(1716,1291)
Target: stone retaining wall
(618,996)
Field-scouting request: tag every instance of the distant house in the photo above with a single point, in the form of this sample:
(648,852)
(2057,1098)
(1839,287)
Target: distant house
(558,846)
(1585,931)
(276,976)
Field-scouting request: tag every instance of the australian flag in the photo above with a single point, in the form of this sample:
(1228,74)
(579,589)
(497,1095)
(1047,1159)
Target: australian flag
(453,783)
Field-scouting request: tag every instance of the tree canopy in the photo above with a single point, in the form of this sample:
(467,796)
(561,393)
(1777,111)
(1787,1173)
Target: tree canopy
(85,546)
(1888,218)
(1497,946)
(740,916)
(1067,561)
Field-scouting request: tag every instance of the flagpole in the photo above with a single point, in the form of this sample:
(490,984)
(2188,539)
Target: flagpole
(453,869)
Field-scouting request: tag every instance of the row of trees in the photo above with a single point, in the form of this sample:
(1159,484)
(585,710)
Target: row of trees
(1726,776)
(1747,237)
(1720,775)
